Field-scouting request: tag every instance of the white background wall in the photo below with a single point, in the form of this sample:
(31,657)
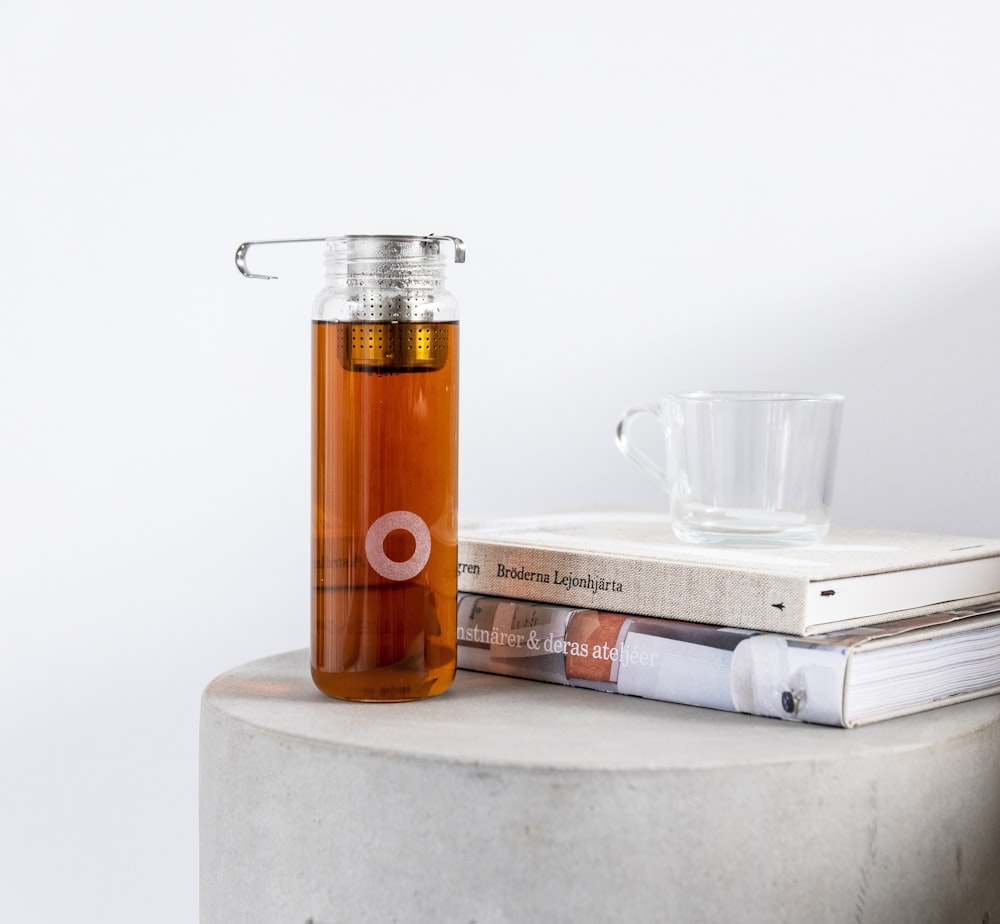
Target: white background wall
(654,197)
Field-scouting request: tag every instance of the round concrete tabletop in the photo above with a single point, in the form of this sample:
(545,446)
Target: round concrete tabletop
(485,719)
(514,801)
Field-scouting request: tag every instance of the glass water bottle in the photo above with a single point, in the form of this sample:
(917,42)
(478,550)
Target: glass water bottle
(385,469)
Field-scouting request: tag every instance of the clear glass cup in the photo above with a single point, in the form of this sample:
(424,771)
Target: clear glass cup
(743,468)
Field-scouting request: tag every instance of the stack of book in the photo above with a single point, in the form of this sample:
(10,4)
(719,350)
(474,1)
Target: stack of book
(864,626)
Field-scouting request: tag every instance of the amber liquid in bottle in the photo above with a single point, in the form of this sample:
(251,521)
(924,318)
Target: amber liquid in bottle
(385,543)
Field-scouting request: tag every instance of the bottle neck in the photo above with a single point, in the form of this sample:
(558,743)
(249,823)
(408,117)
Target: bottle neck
(383,263)
(385,278)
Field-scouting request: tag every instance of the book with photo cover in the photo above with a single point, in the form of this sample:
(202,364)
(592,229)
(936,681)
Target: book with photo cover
(632,563)
(845,678)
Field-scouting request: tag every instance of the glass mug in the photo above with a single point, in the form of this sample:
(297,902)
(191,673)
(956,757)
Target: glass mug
(384,468)
(743,468)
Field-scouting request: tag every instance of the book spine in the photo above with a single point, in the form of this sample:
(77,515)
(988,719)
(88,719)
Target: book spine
(734,670)
(691,591)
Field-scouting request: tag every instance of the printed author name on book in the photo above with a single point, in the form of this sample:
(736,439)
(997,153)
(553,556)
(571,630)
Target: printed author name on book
(554,577)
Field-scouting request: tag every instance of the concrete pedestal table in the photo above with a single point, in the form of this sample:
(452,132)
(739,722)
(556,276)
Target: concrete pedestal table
(512,801)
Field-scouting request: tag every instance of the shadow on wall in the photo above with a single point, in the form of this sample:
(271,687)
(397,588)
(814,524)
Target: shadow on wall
(918,365)
(910,344)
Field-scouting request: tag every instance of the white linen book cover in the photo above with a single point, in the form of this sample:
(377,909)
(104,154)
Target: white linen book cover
(630,562)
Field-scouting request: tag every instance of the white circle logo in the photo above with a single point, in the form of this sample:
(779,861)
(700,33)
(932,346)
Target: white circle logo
(375,551)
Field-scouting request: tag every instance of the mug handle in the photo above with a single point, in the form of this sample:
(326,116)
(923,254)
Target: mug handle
(624,443)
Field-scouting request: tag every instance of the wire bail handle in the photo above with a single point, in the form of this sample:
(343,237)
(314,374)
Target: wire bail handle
(241,251)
